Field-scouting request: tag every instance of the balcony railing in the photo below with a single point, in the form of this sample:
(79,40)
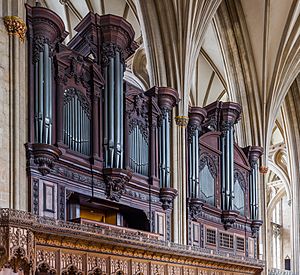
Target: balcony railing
(275,271)
(113,234)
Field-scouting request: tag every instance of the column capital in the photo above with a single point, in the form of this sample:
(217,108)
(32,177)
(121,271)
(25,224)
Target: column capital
(263,169)
(182,121)
(15,26)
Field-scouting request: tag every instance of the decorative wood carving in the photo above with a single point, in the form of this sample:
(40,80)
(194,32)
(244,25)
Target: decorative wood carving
(43,155)
(229,218)
(195,208)
(116,181)
(167,196)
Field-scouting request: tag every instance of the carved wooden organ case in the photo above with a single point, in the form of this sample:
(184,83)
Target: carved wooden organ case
(222,181)
(95,141)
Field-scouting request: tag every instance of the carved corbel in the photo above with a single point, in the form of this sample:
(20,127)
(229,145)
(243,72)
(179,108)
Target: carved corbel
(256,224)
(44,156)
(229,218)
(167,196)
(195,208)
(116,181)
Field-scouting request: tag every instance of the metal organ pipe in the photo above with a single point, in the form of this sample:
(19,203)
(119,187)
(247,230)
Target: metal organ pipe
(46,91)
(117,103)
(231,169)
(121,114)
(114,122)
(164,145)
(43,96)
(105,138)
(227,165)
(76,123)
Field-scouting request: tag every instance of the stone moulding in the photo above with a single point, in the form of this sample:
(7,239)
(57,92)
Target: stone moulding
(116,241)
(15,26)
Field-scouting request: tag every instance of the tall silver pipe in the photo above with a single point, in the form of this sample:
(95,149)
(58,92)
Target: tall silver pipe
(164,153)
(193,167)
(50,98)
(197,162)
(227,152)
(89,137)
(41,97)
(130,150)
(121,115)
(83,145)
(73,123)
(86,134)
(190,171)
(79,126)
(138,149)
(111,113)
(46,94)
(167,144)
(224,203)
(65,123)
(36,101)
(134,149)
(69,123)
(160,154)
(117,120)
(231,178)
(255,193)
(143,149)
(105,138)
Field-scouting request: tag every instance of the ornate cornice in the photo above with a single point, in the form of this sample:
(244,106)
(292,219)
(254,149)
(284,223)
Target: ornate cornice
(15,26)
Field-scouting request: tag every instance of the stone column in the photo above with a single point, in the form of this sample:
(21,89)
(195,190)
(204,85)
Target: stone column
(180,179)
(262,242)
(172,65)
(13,105)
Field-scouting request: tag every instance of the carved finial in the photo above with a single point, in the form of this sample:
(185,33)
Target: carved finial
(15,26)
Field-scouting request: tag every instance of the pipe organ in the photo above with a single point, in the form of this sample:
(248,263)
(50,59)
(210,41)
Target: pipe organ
(99,164)
(77,122)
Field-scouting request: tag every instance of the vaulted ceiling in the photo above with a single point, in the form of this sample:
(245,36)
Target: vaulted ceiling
(249,51)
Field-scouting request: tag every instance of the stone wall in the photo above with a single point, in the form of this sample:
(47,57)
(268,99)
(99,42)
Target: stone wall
(13,109)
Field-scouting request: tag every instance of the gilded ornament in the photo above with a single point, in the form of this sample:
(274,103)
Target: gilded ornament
(182,121)
(15,26)
(263,169)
